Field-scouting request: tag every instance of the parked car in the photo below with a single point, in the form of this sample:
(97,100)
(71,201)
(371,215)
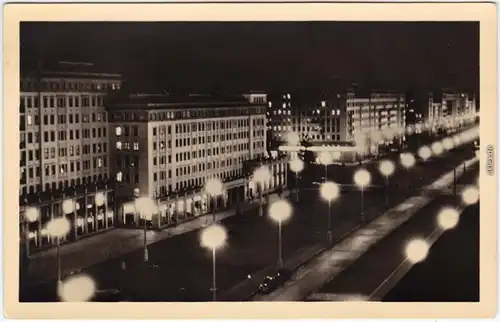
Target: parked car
(272,282)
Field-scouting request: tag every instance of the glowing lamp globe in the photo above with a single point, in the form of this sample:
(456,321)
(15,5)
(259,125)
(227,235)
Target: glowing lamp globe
(296,165)
(58,227)
(99,199)
(213,237)
(214,187)
(407,160)
(448,218)
(293,139)
(329,191)
(362,178)
(146,207)
(68,206)
(448,143)
(416,250)
(424,153)
(437,148)
(386,167)
(79,288)
(262,174)
(280,210)
(31,214)
(470,195)
(325,158)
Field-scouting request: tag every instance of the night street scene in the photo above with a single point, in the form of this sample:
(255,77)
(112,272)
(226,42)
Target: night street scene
(249,161)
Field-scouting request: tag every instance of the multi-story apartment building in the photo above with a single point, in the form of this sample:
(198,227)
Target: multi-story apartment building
(449,109)
(166,148)
(64,149)
(351,121)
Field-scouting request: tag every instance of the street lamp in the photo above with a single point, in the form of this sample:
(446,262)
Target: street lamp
(424,153)
(78,288)
(362,178)
(214,188)
(296,166)
(437,148)
(293,139)
(58,228)
(261,176)
(407,160)
(470,195)
(145,207)
(416,250)
(31,214)
(448,218)
(387,168)
(448,143)
(213,238)
(280,211)
(329,191)
(325,158)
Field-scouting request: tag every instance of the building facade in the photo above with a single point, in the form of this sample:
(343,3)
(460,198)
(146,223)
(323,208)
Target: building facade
(352,121)
(64,150)
(166,148)
(449,109)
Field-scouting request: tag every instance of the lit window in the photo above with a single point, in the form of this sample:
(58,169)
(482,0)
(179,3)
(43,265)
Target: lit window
(136,146)
(118,131)
(118,145)
(99,162)
(119,176)
(29,120)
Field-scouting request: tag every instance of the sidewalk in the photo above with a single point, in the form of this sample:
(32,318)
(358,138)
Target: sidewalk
(113,244)
(335,260)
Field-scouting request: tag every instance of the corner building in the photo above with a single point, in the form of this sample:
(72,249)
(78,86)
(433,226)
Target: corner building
(166,148)
(64,150)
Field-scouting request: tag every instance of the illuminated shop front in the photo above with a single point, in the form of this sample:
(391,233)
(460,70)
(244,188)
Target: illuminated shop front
(88,213)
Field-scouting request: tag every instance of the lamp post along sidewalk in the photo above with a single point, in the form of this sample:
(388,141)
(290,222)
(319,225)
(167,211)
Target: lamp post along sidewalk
(329,191)
(296,166)
(145,207)
(362,179)
(261,176)
(280,211)
(58,228)
(387,168)
(214,188)
(213,238)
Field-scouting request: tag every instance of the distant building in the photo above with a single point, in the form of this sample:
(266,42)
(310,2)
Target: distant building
(351,120)
(64,149)
(167,147)
(449,109)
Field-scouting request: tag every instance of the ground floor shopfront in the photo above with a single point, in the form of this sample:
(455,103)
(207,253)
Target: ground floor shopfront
(180,208)
(91,212)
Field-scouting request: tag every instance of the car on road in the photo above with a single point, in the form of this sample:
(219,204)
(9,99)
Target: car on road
(272,282)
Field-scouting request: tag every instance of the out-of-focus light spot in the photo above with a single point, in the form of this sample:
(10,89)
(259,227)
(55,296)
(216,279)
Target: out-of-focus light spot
(470,195)
(416,250)
(213,237)
(448,218)
(437,148)
(424,153)
(78,288)
(448,143)
(407,160)
(362,178)
(280,210)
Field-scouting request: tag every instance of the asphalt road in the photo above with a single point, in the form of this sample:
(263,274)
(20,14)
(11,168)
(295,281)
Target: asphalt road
(181,270)
(367,275)
(451,271)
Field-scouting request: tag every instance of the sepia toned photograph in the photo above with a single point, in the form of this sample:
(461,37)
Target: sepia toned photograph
(250,161)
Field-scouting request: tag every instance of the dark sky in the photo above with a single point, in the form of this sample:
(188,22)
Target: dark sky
(268,56)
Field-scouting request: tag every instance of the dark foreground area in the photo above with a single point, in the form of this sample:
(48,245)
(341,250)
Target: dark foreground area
(450,273)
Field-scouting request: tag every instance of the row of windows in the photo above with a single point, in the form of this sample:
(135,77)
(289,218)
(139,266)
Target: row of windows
(61,101)
(72,150)
(62,183)
(185,114)
(74,166)
(32,85)
(49,119)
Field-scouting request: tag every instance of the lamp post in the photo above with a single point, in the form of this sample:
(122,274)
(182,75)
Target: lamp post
(416,250)
(362,178)
(145,207)
(296,166)
(261,175)
(213,237)
(386,167)
(214,188)
(329,191)
(99,200)
(58,228)
(325,158)
(437,148)
(280,211)
(31,215)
